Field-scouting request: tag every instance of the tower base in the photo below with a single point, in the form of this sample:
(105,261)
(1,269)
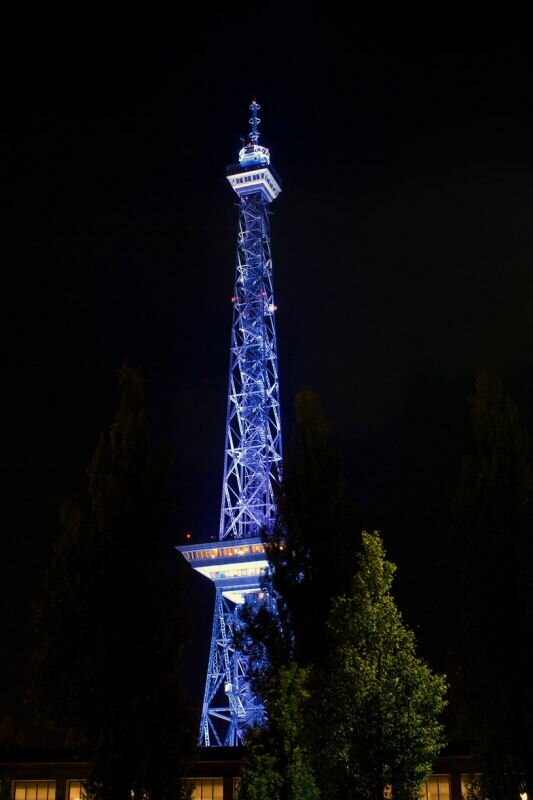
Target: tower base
(230,707)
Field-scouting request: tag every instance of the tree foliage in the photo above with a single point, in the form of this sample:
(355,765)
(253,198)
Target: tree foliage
(312,550)
(369,714)
(381,701)
(110,622)
(277,762)
(492,546)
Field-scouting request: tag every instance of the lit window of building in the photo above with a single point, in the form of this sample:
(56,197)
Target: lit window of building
(470,787)
(206,788)
(437,787)
(76,790)
(34,790)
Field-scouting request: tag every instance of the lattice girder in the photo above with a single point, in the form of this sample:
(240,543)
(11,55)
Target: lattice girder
(253,434)
(252,456)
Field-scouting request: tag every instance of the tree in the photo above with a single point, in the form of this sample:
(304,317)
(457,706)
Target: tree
(369,714)
(110,621)
(312,549)
(492,548)
(277,762)
(381,703)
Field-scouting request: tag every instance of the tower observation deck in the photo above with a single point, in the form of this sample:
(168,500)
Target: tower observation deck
(237,563)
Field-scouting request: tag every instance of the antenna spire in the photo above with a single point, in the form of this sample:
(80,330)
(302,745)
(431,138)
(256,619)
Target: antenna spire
(254,154)
(254,121)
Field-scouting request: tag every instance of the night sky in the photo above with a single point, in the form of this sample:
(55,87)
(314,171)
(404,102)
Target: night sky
(402,245)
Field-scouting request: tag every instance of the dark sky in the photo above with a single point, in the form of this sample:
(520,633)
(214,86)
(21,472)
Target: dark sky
(402,243)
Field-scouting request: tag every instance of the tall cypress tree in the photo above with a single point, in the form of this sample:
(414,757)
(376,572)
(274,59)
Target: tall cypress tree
(110,622)
(313,550)
(492,548)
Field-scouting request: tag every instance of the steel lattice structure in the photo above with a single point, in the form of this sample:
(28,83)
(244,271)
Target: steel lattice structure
(252,461)
(230,707)
(253,433)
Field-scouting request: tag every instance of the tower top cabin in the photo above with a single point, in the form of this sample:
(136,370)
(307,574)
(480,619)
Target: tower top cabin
(253,173)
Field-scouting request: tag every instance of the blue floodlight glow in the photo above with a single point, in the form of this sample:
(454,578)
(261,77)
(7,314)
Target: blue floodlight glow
(254,154)
(252,456)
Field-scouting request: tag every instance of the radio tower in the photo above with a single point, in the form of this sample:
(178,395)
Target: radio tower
(252,458)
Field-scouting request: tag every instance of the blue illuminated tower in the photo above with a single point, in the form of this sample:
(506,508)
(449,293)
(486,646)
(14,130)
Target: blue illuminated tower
(252,459)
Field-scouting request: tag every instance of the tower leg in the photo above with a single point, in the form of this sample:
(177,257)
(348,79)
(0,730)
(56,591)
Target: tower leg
(230,707)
